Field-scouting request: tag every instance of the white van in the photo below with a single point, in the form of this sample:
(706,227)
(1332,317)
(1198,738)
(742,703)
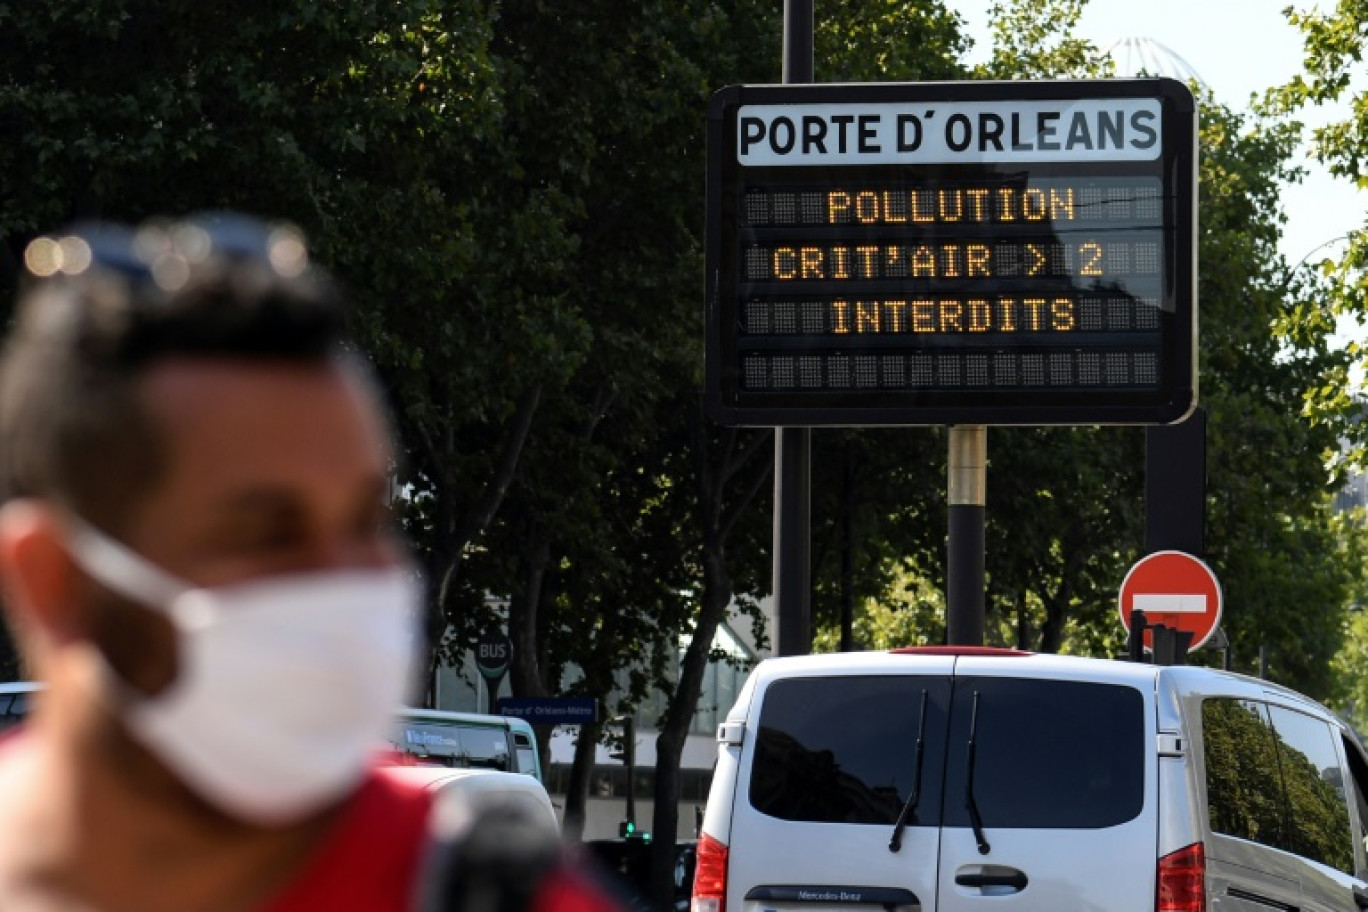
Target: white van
(979,780)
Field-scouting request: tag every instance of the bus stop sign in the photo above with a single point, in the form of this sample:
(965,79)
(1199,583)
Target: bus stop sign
(493,654)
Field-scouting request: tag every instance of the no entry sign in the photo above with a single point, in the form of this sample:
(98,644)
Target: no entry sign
(1174,589)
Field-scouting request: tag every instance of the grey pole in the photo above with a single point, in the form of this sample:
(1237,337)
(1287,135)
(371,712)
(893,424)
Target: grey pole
(793,446)
(964,577)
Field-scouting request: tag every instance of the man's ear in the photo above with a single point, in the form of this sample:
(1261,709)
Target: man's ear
(37,574)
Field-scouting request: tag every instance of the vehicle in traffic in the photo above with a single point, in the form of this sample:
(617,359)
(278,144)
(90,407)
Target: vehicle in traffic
(629,860)
(15,699)
(484,788)
(431,737)
(420,737)
(977,780)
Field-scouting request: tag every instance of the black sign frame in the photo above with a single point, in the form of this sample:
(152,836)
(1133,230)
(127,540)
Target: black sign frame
(1168,400)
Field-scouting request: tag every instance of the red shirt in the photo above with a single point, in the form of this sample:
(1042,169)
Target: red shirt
(370,863)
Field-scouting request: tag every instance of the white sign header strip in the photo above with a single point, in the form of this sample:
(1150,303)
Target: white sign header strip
(937,132)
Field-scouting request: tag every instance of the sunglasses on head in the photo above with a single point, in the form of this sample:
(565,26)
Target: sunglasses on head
(165,252)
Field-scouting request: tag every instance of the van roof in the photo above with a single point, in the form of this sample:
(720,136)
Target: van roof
(1193,678)
(1011,663)
(977,661)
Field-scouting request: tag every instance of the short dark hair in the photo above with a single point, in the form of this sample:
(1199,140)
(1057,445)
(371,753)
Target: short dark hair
(102,304)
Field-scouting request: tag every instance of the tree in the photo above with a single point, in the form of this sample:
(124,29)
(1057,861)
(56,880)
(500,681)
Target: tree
(1334,45)
(362,123)
(1065,514)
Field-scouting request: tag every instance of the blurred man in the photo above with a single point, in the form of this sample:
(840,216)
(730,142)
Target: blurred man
(196,560)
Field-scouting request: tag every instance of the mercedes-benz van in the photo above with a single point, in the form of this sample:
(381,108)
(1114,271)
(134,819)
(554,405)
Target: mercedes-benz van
(978,780)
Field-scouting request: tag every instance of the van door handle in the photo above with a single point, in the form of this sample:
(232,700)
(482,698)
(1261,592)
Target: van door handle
(1266,901)
(993,876)
(1361,897)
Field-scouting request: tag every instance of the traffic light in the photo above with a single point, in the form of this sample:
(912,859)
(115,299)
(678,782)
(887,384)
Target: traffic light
(627,829)
(624,749)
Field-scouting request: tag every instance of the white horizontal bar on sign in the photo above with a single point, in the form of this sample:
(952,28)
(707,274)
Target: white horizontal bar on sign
(1170,603)
(943,132)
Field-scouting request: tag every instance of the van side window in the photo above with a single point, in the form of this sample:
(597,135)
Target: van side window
(1313,781)
(843,749)
(1358,774)
(1244,787)
(1273,777)
(526,753)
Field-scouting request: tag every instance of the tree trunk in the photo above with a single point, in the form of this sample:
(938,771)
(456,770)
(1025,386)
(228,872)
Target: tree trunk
(674,730)
(445,567)
(1057,611)
(1023,624)
(577,791)
(523,608)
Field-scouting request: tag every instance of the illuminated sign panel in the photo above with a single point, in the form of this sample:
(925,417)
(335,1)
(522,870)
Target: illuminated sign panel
(937,253)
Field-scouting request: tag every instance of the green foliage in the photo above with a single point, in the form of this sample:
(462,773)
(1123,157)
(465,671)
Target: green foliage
(1271,538)
(1262,787)
(1334,46)
(887,41)
(1350,663)
(1333,42)
(1242,769)
(910,612)
(1033,39)
(514,194)
(1065,505)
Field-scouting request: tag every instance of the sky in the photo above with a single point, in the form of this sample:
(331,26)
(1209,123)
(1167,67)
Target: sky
(1237,48)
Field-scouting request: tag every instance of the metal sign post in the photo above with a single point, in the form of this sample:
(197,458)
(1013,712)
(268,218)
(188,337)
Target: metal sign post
(792,578)
(964,576)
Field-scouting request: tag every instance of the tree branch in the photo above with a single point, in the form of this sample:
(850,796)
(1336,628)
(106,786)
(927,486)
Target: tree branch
(481,514)
(739,507)
(732,466)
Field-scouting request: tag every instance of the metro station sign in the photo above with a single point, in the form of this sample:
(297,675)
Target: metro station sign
(940,253)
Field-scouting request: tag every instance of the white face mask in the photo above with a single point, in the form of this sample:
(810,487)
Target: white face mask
(285,685)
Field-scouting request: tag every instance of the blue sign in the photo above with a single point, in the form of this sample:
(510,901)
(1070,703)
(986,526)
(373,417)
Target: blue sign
(551,710)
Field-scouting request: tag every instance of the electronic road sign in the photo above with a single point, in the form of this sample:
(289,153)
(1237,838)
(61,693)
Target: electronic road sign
(952,253)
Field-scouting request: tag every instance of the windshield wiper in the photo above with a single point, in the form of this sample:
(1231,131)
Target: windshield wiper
(969,802)
(909,809)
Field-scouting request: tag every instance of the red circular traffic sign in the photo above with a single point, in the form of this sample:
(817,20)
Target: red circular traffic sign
(1175,589)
